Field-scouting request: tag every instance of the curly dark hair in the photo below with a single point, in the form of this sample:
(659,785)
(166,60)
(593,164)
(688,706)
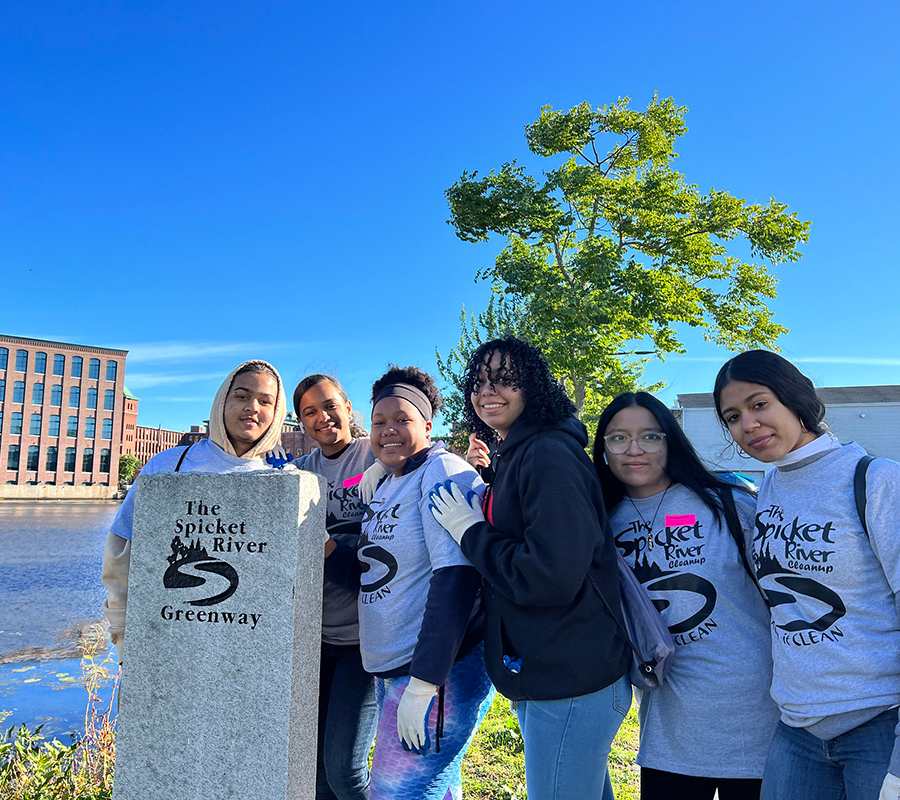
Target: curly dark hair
(523,367)
(414,377)
(308,382)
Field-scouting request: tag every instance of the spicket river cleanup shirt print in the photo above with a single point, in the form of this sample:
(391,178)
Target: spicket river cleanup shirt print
(400,546)
(713,717)
(343,515)
(833,590)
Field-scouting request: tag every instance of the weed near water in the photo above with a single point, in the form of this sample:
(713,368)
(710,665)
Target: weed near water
(32,768)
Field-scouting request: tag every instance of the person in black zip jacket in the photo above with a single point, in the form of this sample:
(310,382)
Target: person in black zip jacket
(542,542)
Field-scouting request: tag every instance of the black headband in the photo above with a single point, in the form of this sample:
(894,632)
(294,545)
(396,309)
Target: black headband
(410,393)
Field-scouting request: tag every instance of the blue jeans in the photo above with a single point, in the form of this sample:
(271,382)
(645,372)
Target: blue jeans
(567,742)
(851,766)
(347,719)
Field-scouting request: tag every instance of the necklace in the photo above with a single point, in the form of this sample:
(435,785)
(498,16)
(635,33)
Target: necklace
(649,528)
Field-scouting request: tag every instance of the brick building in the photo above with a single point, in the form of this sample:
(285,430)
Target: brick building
(150,441)
(129,422)
(61,418)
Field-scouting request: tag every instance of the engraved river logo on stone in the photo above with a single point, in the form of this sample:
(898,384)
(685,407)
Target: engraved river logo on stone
(186,561)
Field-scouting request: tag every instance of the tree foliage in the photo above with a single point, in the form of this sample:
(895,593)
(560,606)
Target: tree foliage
(612,249)
(128,465)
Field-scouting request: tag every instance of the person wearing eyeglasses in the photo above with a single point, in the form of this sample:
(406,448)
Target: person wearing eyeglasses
(687,535)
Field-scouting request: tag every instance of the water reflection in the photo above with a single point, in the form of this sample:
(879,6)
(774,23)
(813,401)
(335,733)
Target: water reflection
(50,560)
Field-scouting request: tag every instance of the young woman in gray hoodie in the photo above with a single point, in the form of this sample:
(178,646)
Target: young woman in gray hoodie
(832,578)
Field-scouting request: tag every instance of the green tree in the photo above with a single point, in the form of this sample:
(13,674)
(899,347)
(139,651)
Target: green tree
(607,252)
(128,465)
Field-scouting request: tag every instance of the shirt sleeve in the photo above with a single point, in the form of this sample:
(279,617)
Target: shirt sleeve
(443,551)
(342,566)
(883,522)
(883,517)
(123,524)
(547,565)
(451,598)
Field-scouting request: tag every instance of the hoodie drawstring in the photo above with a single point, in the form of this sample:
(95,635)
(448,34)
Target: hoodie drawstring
(439,732)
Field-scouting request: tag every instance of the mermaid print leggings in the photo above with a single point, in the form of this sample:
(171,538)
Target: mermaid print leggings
(401,775)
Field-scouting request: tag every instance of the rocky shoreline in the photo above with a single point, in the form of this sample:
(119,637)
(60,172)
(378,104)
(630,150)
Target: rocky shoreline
(72,643)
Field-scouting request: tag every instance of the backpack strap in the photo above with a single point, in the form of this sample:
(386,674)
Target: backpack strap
(859,488)
(733,523)
(181,458)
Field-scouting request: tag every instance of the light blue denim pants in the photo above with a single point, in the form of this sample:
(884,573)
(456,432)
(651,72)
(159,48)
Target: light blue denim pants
(567,742)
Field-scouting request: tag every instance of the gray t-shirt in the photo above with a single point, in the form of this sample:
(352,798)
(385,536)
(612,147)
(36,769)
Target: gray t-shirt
(713,717)
(343,515)
(836,628)
(401,545)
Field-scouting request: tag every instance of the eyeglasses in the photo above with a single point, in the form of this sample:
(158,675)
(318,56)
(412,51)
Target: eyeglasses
(650,442)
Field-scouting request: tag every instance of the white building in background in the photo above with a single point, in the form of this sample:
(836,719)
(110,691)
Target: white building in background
(868,415)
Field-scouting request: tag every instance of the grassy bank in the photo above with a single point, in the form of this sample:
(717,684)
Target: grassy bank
(32,768)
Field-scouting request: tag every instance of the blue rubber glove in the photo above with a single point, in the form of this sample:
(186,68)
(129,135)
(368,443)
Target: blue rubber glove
(412,715)
(277,457)
(456,508)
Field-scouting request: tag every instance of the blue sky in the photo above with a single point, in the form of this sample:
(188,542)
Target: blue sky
(202,182)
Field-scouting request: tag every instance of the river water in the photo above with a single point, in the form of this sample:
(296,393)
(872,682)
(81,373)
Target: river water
(50,593)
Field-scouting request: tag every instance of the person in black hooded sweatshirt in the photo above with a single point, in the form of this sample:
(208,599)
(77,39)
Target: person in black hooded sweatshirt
(542,542)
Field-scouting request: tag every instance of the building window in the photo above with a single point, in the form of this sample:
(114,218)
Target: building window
(104,460)
(4,357)
(70,459)
(19,392)
(109,400)
(90,425)
(92,398)
(33,456)
(59,364)
(72,427)
(40,363)
(12,459)
(77,362)
(94,369)
(110,370)
(74,396)
(53,429)
(15,423)
(21,360)
(87,460)
(35,427)
(2,389)
(37,394)
(52,458)
(107,428)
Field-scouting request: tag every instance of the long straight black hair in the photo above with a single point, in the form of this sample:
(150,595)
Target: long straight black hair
(683,465)
(791,387)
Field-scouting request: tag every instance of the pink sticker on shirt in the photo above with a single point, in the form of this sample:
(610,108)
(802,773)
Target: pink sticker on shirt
(674,520)
(352,481)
